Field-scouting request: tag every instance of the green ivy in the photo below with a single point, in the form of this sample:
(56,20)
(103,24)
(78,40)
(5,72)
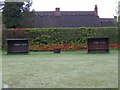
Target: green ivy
(59,35)
(39,36)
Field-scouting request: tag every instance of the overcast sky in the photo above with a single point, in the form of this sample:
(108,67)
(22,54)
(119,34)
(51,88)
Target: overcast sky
(106,8)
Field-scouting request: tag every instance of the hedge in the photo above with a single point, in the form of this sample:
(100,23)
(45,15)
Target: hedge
(49,38)
(110,32)
(59,35)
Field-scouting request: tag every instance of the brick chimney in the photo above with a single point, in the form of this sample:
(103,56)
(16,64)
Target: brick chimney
(57,9)
(96,10)
(115,18)
(57,12)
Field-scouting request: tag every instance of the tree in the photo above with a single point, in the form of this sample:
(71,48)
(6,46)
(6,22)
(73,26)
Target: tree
(119,20)
(1,5)
(119,8)
(13,13)
(27,5)
(27,15)
(119,13)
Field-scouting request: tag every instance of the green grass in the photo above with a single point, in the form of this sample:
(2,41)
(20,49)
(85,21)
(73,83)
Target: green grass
(70,69)
(0,69)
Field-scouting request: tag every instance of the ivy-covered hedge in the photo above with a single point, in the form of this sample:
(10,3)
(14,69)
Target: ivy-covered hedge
(48,38)
(59,35)
(111,32)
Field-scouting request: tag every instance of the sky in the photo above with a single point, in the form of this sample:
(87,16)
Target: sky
(106,8)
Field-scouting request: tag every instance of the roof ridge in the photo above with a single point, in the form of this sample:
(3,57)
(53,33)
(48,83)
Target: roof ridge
(63,11)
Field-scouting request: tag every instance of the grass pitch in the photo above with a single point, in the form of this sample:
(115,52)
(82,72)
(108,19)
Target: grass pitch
(69,69)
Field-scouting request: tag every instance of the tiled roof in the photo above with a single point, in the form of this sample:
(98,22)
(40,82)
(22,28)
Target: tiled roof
(107,22)
(107,19)
(66,19)
(43,13)
(46,19)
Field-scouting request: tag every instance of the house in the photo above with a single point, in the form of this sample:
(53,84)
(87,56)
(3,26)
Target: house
(57,18)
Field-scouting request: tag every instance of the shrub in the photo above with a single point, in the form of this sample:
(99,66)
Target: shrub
(59,35)
(48,38)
